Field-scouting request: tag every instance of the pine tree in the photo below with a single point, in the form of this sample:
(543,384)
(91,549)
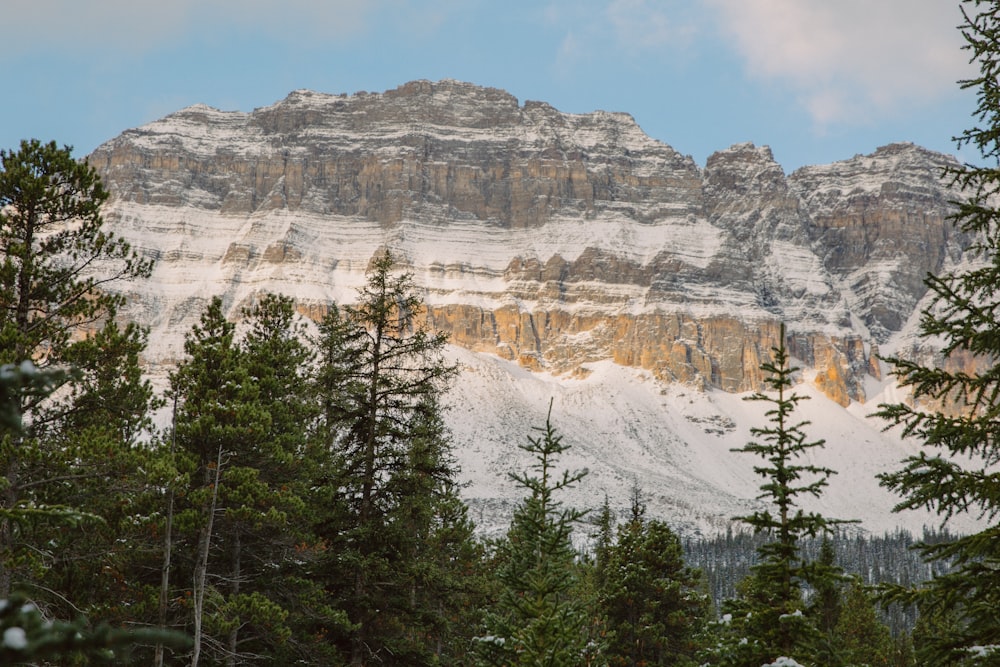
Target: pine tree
(243,542)
(652,601)
(389,471)
(539,618)
(109,467)
(51,238)
(276,538)
(28,634)
(603,540)
(768,620)
(827,602)
(219,421)
(56,262)
(954,409)
(439,558)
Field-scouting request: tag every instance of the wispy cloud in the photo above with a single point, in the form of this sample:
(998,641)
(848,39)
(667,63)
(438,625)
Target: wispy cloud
(611,29)
(570,53)
(851,59)
(640,25)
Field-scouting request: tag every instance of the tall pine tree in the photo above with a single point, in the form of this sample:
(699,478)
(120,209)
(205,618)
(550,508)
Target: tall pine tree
(219,425)
(56,263)
(768,620)
(954,411)
(389,470)
(108,467)
(652,602)
(276,539)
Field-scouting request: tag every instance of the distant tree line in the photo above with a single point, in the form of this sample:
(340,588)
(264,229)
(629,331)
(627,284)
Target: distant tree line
(726,559)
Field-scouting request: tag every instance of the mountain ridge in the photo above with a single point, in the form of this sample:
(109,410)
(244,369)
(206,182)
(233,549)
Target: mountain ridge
(548,240)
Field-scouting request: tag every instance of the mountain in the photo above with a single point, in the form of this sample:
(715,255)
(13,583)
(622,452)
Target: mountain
(568,256)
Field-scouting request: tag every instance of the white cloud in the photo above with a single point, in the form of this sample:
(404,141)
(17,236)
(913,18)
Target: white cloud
(851,59)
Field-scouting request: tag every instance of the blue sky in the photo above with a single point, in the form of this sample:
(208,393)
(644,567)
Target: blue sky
(816,80)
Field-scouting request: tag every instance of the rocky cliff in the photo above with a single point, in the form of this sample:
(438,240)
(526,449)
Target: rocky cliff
(575,259)
(551,239)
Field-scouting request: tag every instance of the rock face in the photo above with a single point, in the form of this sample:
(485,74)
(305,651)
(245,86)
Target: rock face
(551,239)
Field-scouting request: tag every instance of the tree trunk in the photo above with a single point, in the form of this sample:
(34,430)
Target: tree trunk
(167,550)
(7,526)
(201,569)
(360,644)
(165,575)
(235,632)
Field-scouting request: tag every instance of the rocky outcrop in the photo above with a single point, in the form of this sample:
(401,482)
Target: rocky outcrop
(547,238)
(446,150)
(881,223)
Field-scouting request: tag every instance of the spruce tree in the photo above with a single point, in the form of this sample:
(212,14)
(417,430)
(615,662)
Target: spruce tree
(109,467)
(28,634)
(243,541)
(276,535)
(538,618)
(955,403)
(223,449)
(768,620)
(826,602)
(862,638)
(652,602)
(389,469)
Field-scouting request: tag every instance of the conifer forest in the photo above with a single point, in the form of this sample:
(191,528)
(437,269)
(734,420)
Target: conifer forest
(301,504)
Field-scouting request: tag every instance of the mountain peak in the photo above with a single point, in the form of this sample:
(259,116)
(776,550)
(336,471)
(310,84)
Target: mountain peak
(555,242)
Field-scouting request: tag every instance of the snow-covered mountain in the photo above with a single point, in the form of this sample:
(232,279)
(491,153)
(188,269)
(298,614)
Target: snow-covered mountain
(569,257)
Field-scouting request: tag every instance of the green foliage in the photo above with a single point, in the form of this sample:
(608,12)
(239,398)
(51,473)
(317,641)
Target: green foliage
(294,513)
(861,636)
(538,618)
(954,409)
(768,620)
(109,390)
(20,382)
(393,563)
(242,528)
(826,604)
(27,636)
(64,465)
(50,235)
(652,602)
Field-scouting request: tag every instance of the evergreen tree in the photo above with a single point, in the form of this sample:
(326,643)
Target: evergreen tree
(219,426)
(603,540)
(652,602)
(768,620)
(439,555)
(51,239)
(276,538)
(539,618)
(389,475)
(56,262)
(954,409)
(827,600)
(28,634)
(862,638)
(109,467)
(826,603)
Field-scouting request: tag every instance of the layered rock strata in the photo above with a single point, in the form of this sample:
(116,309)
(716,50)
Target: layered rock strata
(548,238)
